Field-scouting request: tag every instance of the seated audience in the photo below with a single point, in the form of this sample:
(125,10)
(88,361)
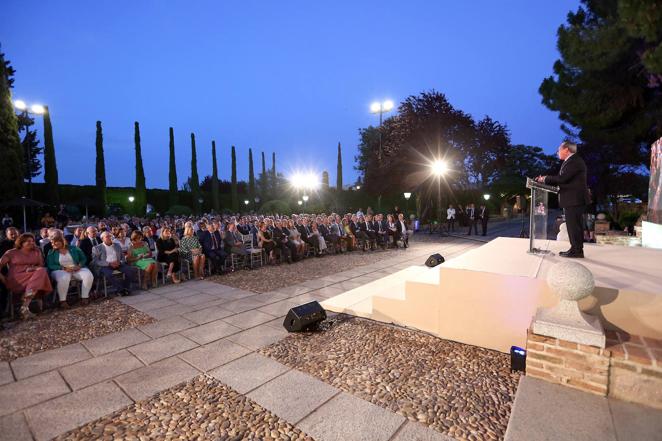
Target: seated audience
(140,256)
(212,246)
(168,253)
(107,257)
(125,242)
(234,244)
(66,262)
(88,242)
(191,250)
(26,272)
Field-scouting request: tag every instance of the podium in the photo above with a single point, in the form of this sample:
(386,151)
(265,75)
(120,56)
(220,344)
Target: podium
(539,209)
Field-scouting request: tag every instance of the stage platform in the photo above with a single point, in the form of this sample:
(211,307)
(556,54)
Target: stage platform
(488,296)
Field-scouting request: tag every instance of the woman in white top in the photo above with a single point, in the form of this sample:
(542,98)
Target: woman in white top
(123,241)
(65,263)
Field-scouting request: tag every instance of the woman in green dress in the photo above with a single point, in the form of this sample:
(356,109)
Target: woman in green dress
(140,256)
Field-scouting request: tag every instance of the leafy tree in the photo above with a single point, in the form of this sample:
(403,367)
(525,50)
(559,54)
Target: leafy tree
(339,170)
(251,175)
(11,157)
(31,149)
(50,164)
(486,156)
(101,170)
(607,86)
(140,198)
(194,181)
(235,197)
(522,161)
(172,172)
(214,181)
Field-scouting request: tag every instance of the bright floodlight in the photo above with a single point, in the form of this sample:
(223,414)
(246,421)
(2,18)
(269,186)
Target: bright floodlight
(375,107)
(358,187)
(305,198)
(38,109)
(439,167)
(297,180)
(486,197)
(407,195)
(387,105)
(20,105)
(131,199)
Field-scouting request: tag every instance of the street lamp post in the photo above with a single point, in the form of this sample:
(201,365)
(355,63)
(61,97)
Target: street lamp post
(407,196)
(381,108)
(305,201)
(439,169)
(36,109)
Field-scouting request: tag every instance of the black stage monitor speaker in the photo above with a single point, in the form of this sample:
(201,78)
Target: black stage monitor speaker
(303,317)
(434,260)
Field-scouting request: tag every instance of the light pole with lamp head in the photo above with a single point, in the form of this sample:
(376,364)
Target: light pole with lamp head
(407,195)
(381,108)
(26,110)
(305,201)
(439,168)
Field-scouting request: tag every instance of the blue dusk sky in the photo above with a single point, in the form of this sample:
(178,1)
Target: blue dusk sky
(291,77)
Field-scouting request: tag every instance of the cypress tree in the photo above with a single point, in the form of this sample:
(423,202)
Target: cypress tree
(140,199)
(263,179)
(339,170)
(235,197)
(251,175)
(101,170)
(264,165)
(195,181)
(172,174)
(214,179)
(11,155)
(50,165)
(273,164)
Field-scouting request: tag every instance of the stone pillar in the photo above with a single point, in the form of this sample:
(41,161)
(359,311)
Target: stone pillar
(571,282)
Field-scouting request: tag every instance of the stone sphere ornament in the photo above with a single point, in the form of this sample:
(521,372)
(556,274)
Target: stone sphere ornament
(570,281)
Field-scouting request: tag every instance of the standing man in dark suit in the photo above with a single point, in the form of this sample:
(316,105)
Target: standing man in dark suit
(573,195)
(484,215)
(471,218)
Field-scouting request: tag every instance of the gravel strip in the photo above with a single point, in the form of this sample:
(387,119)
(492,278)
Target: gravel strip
(460,390)
(201,409)
(272,277)
(56,328)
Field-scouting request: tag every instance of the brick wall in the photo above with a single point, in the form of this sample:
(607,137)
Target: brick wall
(570,364)
(629,368)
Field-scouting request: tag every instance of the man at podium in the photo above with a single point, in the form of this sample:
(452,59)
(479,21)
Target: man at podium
(573,195)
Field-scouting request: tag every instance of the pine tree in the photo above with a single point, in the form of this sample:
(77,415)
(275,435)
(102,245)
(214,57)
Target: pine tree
(194,181)
(101,170)
(251,175)
(172,174)
(140,199)
(50,165)
(235,196)
(214,179)
(339,170)
(11,158)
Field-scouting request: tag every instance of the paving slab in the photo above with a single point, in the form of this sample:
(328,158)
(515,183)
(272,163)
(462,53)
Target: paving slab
(98,369)
(274,295)
(244,304)
(257,337)
(418,432)
(279,308)
(249,372)
(138,297)
(328,291)
(293,395)
(170,311)
(48,360)
(153,304)
(147,381)
(180,294)
(635,422)
(214,354)
(196,299)
(211,331)
(249,319)
(167,326)
(14,428)
(53,418)
(307,298)
(207,315)
(346,417)
(295,290)
(24,393)
(5,373)
(277,322)
(161,348)
(115,341)
(560,413)
(316,283)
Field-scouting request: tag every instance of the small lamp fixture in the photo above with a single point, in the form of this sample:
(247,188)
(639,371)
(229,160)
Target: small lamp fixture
(300,202)
(305,198)
(131,199)
(486,197)
(246,201)
(517,359)
(358,187)
(407,195)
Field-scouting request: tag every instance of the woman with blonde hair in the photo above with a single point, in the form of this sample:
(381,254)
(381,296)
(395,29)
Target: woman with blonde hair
(191,250)
(66,262)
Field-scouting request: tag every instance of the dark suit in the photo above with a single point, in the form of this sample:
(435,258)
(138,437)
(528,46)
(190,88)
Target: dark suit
(85,246)
(484,215)
(471,218)
(212,246)
(573,198)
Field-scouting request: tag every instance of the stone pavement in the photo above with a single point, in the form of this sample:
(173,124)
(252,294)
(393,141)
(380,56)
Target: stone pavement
(203,327)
